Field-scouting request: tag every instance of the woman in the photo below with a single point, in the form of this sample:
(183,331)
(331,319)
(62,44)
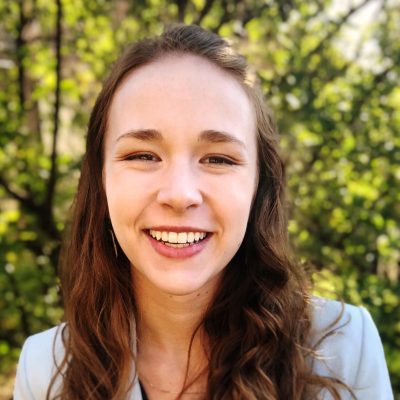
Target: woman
(176,279)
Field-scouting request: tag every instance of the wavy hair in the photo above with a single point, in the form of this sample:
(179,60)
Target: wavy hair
(259,321)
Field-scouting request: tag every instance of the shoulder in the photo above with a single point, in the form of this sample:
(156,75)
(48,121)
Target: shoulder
(37,364)
(348,347)
(40,356)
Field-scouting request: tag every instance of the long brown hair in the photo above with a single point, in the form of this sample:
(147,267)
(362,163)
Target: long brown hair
(259,321)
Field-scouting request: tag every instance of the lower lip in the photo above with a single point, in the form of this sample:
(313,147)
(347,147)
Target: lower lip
(178,252)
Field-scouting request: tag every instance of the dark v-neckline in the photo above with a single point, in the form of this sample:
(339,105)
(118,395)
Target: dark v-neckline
(144,394)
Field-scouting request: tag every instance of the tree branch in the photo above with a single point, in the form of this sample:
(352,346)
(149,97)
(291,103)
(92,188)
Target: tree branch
(181,9)
(253,12)
(20,53)
(11,192)
(23,313)
(226,16)
(284,8)
(45,219)
(204,11)
(53,170)
(25,201)
(366,94)
(337,25)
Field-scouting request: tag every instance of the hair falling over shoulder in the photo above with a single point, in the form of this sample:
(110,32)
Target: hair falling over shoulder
(259,322)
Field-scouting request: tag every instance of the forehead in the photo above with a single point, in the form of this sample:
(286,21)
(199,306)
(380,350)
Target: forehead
(185,88)
(176,68)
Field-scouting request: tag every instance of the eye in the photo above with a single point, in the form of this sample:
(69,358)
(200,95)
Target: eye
(142,157)
(218,160)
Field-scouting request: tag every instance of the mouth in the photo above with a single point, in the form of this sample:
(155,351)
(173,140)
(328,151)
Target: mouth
(178,239)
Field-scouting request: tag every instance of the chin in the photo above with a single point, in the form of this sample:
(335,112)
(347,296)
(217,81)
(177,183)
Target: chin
(183,288)
(182,280)
(184,283)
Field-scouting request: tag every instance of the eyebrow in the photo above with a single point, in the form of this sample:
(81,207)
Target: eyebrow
(214,136)
(206,136)
(142,134)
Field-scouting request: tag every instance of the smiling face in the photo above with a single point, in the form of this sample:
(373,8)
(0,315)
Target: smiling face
(180,171)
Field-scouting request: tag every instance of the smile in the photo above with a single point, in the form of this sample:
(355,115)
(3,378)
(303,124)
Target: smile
(177,239)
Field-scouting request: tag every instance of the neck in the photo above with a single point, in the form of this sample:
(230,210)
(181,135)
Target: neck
(165,321)
(169,357)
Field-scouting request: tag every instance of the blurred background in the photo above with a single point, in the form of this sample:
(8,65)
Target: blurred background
(330,70)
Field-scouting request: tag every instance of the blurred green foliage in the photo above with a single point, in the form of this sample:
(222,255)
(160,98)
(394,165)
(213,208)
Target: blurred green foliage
(336,96)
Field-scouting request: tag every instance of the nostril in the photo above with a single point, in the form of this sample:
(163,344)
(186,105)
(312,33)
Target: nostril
(179,198)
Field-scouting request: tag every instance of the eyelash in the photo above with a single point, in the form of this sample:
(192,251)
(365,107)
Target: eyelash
(148,157)
(220,160)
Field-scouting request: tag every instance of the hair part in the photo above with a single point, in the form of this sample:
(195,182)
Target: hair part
(257,333)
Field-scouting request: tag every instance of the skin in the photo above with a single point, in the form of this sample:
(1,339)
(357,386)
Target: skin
(164,168)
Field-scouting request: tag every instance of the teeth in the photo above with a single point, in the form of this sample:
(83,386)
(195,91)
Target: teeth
(182,237)
(177,245)
(172,237)
(179,239)
(190,237)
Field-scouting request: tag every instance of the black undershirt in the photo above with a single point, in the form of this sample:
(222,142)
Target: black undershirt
(144,395)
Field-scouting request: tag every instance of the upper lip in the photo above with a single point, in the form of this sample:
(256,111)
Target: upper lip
(177,229)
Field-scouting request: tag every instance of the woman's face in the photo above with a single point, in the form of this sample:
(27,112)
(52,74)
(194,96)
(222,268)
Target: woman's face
(180,171)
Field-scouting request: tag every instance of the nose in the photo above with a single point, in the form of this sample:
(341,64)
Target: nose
(179,188)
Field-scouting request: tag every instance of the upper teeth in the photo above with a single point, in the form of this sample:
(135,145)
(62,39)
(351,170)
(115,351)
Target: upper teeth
(177,237)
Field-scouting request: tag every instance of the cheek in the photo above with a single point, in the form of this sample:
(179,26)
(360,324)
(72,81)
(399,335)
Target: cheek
(235,202)
(128,195)
(119,196)
(112,189)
